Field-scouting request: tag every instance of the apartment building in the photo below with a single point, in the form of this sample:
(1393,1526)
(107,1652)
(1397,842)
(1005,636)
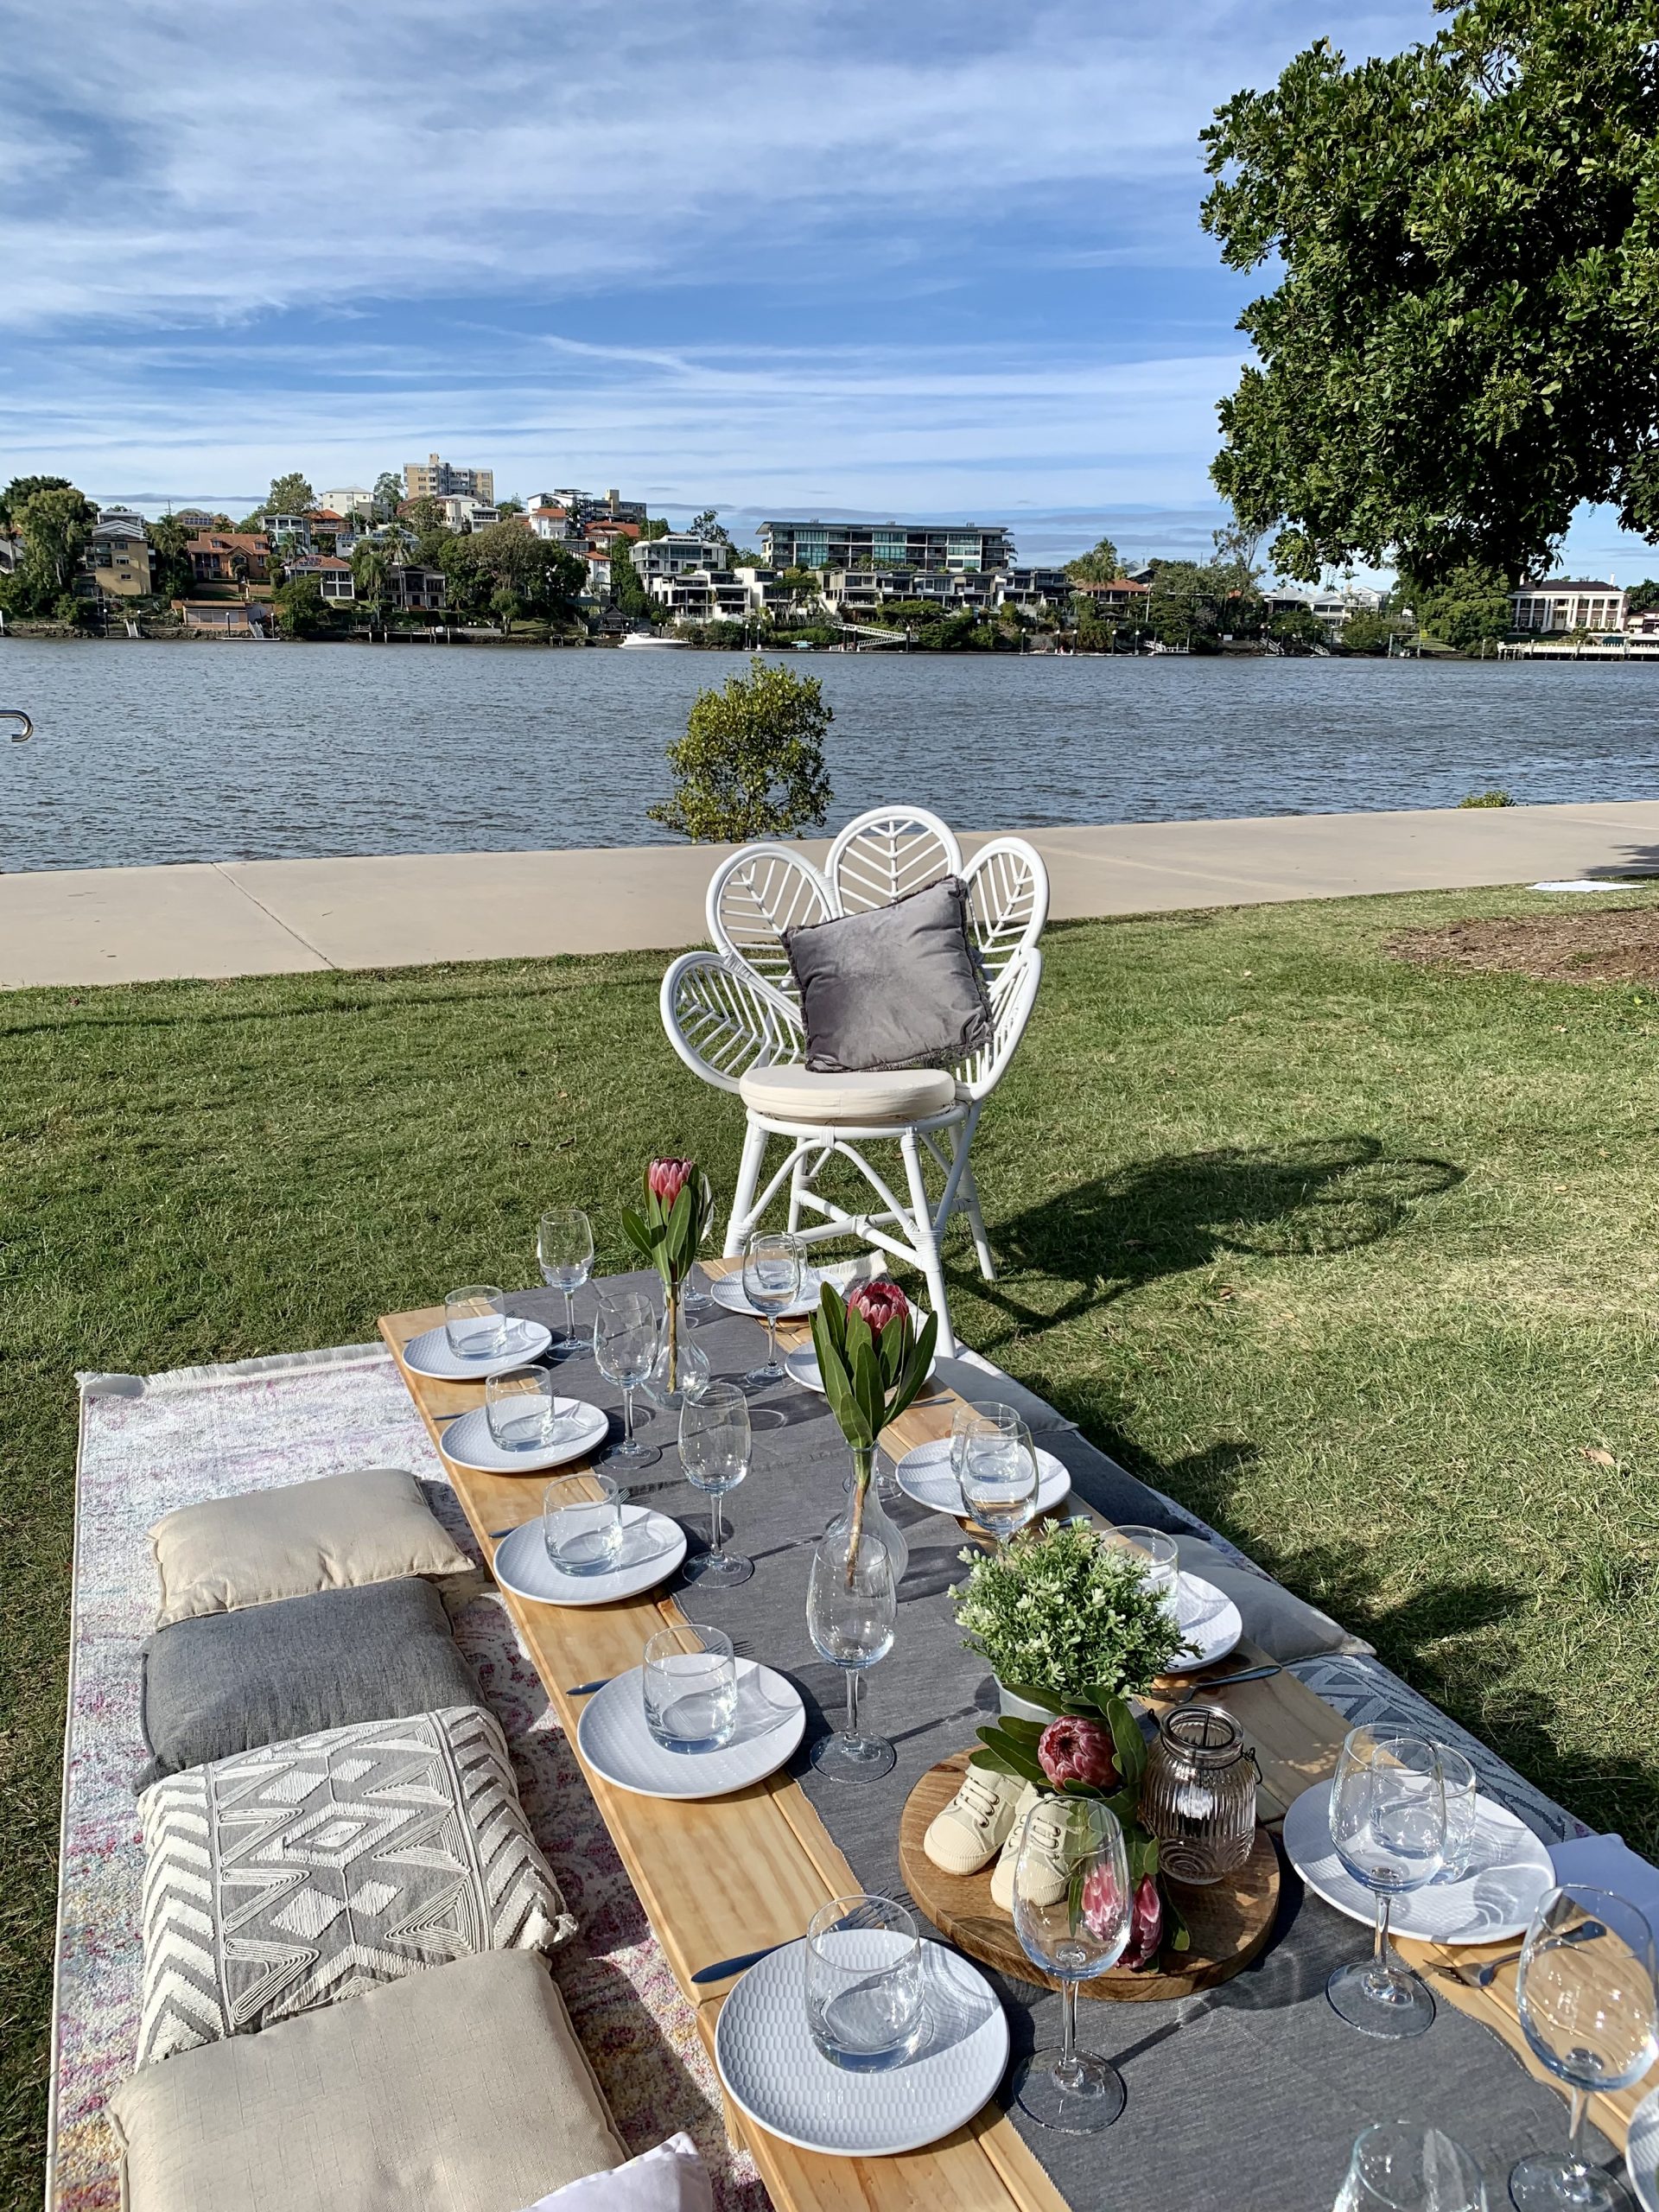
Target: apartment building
(678,555)
(117,560)
(932,548)
(462,512)
(352,499)
(441,479)
(1570,603)
(848,591)
(590,506)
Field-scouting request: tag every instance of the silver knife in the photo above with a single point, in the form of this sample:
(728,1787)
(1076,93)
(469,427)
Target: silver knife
(722,1969)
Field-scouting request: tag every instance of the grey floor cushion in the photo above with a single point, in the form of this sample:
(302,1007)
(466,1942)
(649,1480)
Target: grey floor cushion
(229,1682)
(898,986)
(462,2089)
(335,1533)
(286,1877)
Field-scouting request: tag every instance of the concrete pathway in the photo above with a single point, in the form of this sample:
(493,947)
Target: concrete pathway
(267,917)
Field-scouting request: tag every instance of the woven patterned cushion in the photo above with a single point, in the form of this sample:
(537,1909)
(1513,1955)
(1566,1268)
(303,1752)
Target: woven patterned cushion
(285,1877)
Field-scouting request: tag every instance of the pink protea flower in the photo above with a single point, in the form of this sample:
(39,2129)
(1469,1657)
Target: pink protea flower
(1103,1908)
(1072,1749)
(1101,1905)
(666,1178)
(878,1302)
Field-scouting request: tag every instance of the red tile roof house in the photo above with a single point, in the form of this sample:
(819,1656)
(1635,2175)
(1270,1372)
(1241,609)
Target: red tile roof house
(236,556)
(333,575)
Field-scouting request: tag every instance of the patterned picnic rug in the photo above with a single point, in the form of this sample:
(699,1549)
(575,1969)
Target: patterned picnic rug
(146,1446)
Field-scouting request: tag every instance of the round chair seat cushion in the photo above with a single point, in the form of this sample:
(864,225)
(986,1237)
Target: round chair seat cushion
(856,1100)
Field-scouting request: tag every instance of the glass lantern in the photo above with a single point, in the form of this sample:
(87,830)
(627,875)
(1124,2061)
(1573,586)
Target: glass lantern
(1198,1795)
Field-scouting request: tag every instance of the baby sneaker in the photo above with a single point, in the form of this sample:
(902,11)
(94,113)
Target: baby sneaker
(977,1824)
(1045,1881)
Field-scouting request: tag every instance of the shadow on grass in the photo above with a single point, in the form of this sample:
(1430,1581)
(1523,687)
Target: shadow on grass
(1164,1217)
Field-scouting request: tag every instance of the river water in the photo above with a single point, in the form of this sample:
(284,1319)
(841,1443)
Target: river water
(167,751)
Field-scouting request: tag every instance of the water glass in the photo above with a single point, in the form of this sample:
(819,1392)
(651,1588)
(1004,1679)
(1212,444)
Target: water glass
(773,1266)
(1400,2167)
(1163,1561)
(564,1249)
(1073,1908)
(851,1612)
(715,1447)
(998,1479)
(865,2004)
(582,1523)
(689,1685)
(1388,1821)
(1584,1992)
(521,1410)
(624,1350)
(1462,1813)
(476,1321)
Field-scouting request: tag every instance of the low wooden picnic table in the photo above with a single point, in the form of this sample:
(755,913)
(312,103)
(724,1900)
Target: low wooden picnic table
(724,1875)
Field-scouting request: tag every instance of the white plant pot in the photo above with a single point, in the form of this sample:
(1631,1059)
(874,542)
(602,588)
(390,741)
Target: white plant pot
(1020,1708)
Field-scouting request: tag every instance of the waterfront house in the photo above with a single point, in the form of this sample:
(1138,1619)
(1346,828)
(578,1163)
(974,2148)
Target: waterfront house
(1571,603)
(951,548)
(409,587)
(441,479)
(230,557)
(332,575)
(117,560)
(1121,595)
(676,555)
(227,618)
(549,520)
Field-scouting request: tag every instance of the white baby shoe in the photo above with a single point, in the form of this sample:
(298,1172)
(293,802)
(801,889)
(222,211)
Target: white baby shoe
(1046,1877)
(974,1827)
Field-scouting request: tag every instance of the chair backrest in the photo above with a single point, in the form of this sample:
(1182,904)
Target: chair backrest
(1007,901)
(757,894)
(722,1020)
(886,853)
(1013,996)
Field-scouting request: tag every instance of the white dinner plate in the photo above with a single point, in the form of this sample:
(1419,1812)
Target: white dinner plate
(1209,1618)
(614,1740)
(429,1353)
(578,1428)
(1642,2153)
(1491,1905)
(728,1292)
(652,1547)
(776,2074)
(925,1474)
(802,1366)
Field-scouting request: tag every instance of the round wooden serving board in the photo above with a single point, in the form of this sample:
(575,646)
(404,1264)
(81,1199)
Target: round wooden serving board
(1229,1921)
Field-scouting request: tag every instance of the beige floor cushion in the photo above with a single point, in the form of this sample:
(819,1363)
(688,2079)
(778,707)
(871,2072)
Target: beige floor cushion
(796,1094)
(286,1877)
(336,1533)
(462,2089)
(671,2178)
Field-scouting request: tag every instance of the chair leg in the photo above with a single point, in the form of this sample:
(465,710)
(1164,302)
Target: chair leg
(748,1175)
(925,1242)
(968,1199)
(797,1178)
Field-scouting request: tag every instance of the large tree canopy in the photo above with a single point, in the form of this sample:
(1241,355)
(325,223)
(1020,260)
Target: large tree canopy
(1465,341)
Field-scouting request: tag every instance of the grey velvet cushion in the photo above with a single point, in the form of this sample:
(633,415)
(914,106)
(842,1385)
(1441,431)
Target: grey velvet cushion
(461,2090)
(230,1682)
(899,986)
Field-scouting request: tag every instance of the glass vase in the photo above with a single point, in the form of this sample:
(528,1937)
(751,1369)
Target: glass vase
(1198,1795)
(876,1521)
(681,1370)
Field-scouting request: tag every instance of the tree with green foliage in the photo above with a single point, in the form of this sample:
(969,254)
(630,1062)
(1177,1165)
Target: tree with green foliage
(707,526)
(751,763)
(1375,634)
(1099,565)
(508,507)
(290,495)
(302,609)
(1469,610)
(1643,598)
(22,489)
(506,606)
(55,524)
(172,574)
(388,494)
(1464,343)
(1297,630)
(628,588)
(545,580)
(1197,603)
(371,580)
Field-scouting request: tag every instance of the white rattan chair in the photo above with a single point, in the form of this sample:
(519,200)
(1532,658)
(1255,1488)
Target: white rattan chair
(732,1017)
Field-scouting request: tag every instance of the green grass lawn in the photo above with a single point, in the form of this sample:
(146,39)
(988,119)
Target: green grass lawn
(1356,1259)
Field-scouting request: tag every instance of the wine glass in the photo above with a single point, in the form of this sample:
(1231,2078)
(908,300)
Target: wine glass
(714,1448)
(1399,2167)
(624,1350)
(1388,1821)
(564,1248)
(999,1480)
(772,1283)
(1073,1909)
(1584,1992)
(851,1609)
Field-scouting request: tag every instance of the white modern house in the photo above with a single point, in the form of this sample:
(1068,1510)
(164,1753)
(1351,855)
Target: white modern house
(352,499)
(1571,603)
(678,555)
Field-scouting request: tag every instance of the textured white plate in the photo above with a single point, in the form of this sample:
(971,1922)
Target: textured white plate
(652,1547)
(615,1741)
(775,2073)
(728,1292)
(1642,2151)
(802,1366)
(469,1443)
(925,1474)
(1210,1617)
(429,1354)
(1491,1905)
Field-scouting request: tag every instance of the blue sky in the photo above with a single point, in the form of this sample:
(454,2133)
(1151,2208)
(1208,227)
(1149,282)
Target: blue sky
(772,258)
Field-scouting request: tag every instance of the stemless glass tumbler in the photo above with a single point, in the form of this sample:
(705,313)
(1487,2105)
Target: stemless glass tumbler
(864,2003)
(1388,1821)
(476,1321)
(564,1250)
(689,1682)
(1073,1907)
(999,1480)
(1584,1992)
(522,1409)
(582,1523)
(1398,2167)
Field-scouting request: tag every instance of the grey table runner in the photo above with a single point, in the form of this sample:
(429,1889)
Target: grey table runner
(1247,2096)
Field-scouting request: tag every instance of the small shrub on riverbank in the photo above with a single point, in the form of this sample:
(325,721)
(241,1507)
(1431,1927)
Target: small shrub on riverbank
(751,763)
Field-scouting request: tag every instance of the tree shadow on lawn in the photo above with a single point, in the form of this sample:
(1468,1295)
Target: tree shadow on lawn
(1164,1217)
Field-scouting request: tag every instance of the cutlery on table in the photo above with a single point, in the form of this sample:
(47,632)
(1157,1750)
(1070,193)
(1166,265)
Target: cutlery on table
(587,1689)
(1484,1975)
(1226,1681)
(722,1969)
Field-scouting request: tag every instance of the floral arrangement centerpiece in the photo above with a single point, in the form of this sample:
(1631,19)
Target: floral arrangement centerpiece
(678,1209)
(872,1362)
(1069,1624)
